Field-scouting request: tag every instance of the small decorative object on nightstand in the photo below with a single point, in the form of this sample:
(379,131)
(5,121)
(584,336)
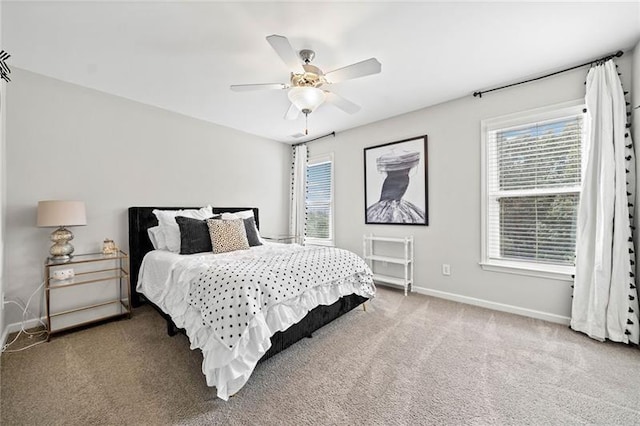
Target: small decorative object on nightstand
(86,289)
(58,213)
(109,247)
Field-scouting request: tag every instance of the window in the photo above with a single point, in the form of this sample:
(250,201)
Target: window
(532,168)
(319,200)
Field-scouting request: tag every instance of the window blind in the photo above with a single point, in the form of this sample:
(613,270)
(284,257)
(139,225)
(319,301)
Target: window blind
(533,188)
(318,200)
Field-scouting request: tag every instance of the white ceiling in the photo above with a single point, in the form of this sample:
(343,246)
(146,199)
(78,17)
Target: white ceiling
(182,56)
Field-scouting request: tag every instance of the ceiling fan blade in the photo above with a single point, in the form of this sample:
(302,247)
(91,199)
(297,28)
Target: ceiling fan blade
(289,56)
(249,87)
(359,69)
(292,113)
(342,103)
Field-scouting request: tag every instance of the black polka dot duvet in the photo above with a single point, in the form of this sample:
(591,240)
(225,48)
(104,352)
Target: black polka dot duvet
(231,304)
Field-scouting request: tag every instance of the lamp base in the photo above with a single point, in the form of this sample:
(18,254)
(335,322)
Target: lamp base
(61,250)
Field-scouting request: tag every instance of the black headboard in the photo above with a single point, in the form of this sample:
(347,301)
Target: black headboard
(141,219)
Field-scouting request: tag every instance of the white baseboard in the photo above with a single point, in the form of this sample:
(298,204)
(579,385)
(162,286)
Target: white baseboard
(559,319)
(5,334)
(16,326)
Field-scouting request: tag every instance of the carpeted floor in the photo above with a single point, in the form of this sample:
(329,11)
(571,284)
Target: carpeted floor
(407,360)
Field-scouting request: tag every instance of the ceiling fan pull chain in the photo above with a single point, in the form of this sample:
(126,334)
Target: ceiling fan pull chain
(306,123)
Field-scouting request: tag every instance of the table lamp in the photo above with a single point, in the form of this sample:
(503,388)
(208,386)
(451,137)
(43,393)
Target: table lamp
(58,213)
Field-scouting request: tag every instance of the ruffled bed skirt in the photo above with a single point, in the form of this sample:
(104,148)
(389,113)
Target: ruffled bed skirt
(229,370)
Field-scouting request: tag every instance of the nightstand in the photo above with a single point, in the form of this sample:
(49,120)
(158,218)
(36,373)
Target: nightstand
(98,290)
(283,239)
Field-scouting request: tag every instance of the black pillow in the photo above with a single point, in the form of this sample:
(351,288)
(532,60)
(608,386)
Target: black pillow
(252,232)
(194,235)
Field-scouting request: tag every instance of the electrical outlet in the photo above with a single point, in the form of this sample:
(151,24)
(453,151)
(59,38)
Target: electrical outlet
(446,269)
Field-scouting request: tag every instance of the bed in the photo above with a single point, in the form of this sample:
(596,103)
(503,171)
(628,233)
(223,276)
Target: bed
(166,279)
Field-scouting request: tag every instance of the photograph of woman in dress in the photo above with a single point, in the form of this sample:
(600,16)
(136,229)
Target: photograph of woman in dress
(395,176)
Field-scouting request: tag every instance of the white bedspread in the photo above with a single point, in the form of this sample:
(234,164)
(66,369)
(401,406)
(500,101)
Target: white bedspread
(165,279)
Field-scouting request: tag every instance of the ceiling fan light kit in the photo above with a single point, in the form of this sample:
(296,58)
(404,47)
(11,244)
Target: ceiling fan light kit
(306,90)
(306,98)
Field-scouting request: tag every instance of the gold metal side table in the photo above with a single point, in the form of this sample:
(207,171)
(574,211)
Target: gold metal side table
(97,290)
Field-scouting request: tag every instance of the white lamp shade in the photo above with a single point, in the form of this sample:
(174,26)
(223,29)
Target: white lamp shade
(61,213)
(308,98)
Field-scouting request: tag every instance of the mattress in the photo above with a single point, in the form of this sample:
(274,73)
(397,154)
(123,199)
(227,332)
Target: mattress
(166,279)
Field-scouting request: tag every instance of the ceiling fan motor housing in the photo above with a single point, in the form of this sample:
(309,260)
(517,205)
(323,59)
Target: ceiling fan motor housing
(307,55)
(312,77)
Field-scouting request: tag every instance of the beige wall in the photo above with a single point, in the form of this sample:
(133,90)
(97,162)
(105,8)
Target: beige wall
(69,142)
(453,234)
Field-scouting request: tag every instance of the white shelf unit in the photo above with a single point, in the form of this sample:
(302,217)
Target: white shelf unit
(406,259)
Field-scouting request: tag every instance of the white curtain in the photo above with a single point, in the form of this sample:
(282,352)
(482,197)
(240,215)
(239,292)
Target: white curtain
(605,299)
(297,217)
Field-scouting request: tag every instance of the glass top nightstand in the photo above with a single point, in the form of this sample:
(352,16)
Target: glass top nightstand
(88,257)
(283,239)
(86,289)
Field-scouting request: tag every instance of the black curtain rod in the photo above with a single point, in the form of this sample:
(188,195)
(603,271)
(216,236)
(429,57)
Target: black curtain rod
(315,139)
(603,59)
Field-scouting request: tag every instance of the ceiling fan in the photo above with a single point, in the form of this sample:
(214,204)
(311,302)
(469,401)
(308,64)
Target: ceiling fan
(308,84)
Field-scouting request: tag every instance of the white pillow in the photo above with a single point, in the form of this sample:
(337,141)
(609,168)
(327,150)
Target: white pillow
(169,226)
(237,215)
(245,214)
(157,238)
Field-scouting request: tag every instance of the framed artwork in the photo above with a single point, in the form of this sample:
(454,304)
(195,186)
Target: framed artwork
(395,183)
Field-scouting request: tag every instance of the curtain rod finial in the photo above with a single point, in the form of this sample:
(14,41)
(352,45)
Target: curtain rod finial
(619,53)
